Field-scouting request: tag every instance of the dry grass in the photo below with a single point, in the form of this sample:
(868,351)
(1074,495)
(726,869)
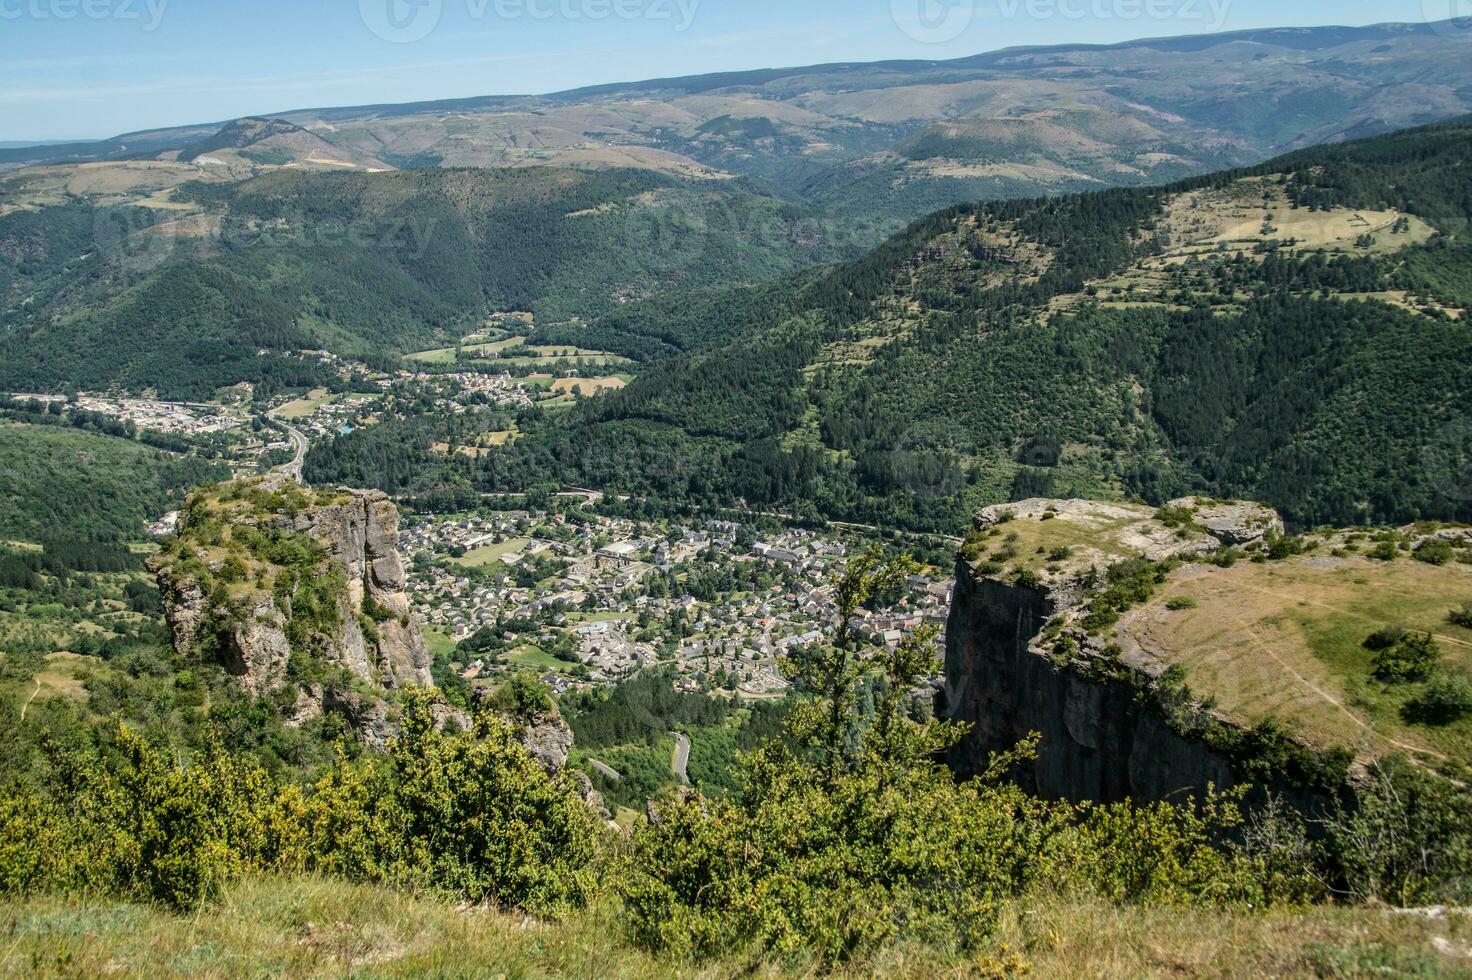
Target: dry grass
(1285,640)
(309,927)
(304,407)
(587,387)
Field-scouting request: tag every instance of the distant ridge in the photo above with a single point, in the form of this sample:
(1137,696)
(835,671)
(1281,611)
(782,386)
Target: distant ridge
(148,142)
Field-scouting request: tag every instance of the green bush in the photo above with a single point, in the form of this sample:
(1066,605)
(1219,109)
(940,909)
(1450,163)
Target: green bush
(1446,700)
(1180,602)
(1412,659)
(1407,841)
(1385,551)
(1435,552)
(469,814)
(1461,616)
(141,826)
(1385,637)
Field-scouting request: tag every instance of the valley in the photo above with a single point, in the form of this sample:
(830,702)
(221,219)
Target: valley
(990,516)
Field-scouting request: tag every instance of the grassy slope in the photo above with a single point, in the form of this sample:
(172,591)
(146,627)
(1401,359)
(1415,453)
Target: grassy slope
(1285,640)
(311,928)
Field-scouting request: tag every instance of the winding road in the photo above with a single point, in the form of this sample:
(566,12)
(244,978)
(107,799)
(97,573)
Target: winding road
(607,770)
(682,758)
(299,443)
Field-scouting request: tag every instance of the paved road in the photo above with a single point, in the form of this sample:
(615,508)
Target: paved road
(682,758)
(608,771)
(299,443)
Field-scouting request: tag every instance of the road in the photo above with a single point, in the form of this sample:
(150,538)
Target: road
(608,771)
(682,758)
(300,444)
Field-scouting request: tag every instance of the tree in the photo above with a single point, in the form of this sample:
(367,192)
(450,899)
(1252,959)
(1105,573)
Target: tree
(1412,659)
(831,671)
(1448,699)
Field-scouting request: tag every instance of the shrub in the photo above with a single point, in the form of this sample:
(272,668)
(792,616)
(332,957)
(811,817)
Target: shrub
(471,814)
(141,826)
(1448,699)
(1180,602)
(1385,637)
(1407,842)
(1177,517)
(1461,616)
(1384,551)
(1435,551)
(1412,659)
(1280,547)
(522,697)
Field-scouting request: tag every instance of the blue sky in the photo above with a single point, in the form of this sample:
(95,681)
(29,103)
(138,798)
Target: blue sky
(74,69)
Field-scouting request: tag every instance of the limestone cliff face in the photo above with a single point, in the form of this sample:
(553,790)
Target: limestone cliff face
(361,536)
(376,638)
(1100,740)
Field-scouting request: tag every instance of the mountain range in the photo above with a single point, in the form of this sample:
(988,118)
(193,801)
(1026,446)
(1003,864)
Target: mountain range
(905,137)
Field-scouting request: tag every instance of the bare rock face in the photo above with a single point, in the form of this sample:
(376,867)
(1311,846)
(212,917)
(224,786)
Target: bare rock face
(548,739)
(361,535)
(220,596)
(1007,678)
(1233,523)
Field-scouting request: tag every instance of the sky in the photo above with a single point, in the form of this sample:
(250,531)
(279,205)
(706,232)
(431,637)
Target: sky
(81,69)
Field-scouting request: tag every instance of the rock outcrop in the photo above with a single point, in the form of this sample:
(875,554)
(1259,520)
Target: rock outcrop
(1101,740)
(228,592)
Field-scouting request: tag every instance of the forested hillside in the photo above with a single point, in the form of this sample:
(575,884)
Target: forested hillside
(184,300)
(1291,332)
(57,482)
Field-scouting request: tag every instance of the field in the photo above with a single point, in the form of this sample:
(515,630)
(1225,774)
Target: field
(147,182)
(587,387)
(303,407)
(480,557)
(1258,210)
(516,352)
(536,659)
(1253,213)
(446,355)
(439,643)
(310,927)
(1286,640)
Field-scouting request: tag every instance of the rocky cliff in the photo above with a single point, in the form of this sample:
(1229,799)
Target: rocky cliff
(295,589)
(1025,654)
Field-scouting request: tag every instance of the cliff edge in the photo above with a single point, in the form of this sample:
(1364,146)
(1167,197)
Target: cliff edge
(295,590)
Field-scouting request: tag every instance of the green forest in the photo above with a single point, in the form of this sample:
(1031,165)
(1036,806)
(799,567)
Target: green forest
(368,266)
